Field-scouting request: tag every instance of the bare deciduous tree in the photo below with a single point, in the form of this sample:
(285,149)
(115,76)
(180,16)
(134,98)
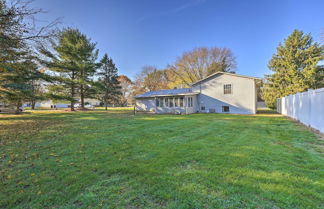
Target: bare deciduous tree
(150,79)
(18,22)
(201,62)
(126,89)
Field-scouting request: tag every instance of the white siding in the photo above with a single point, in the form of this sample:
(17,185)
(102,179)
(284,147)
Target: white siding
(242,100)
(147,105)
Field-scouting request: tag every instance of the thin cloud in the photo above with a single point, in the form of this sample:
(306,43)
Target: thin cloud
(185,6)
(188,5)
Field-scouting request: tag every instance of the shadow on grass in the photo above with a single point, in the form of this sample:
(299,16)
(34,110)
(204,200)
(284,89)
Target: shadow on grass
(267,111)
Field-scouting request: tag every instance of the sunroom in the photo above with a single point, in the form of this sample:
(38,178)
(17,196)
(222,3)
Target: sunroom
(175,101)
(180,104)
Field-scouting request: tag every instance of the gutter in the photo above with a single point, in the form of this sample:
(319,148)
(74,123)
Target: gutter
(166,95)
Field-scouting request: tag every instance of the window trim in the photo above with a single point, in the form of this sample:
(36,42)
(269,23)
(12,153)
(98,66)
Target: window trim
(223,109)
(166,102)
(161,101)
(171,102)
(189,102)
(181,100)
(157,102)
(225,90)
(176,102)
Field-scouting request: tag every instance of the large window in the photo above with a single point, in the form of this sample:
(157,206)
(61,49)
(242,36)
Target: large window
(181,101)
(189,102)
(166,102)
(228,89)
(171,102)
(161,102)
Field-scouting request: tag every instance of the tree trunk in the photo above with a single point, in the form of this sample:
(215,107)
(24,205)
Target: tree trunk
(106,106)
(82,88)
(72,92)
(82,95)
(33,103)
(17,108)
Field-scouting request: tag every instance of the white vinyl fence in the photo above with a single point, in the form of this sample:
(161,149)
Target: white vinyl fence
(307,107)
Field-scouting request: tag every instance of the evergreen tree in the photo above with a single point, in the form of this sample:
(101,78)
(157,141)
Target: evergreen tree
(319,77)
(18,66)
(15,77)
(87,64)
(74,62)
(294,66)
(108,84)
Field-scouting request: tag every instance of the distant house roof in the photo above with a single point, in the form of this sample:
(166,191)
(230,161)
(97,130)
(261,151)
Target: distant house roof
(167,92)
(226,73)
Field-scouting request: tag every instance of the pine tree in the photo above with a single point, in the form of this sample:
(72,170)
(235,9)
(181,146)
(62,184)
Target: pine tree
(108,84)
(15,77)
(18,62)
(294,66)
(319,77)
(74,61)
(87,63)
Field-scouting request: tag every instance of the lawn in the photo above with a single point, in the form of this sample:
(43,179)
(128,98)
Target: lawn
(99,159)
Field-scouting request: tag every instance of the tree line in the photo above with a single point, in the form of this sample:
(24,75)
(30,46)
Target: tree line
(40,63)
(48,63)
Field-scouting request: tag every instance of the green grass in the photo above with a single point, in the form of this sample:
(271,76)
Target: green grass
(98,159)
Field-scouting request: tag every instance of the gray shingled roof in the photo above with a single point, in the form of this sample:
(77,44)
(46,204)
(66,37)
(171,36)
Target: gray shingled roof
(166,92)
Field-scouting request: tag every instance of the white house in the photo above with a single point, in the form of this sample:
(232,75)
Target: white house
(218,93)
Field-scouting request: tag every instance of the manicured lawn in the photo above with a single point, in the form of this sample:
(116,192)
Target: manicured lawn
(98,159)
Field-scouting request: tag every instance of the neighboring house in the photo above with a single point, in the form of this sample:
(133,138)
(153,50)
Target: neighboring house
(48,104)
(52,105)
(218,93)
(93,102)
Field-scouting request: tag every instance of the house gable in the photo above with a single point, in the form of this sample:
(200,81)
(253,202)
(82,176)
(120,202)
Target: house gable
(239,96)
(223,73)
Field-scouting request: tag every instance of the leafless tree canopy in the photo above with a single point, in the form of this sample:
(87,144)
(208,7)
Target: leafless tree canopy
(201,62)
(18,22)
(150,79)
(126,89)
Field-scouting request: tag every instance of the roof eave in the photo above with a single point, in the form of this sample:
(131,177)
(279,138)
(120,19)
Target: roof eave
(226,73)
(166,95)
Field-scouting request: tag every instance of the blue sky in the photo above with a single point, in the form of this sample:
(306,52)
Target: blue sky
(136,33)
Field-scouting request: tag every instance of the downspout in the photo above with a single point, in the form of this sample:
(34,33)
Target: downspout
(185,104)
(198,100)
(199,105)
